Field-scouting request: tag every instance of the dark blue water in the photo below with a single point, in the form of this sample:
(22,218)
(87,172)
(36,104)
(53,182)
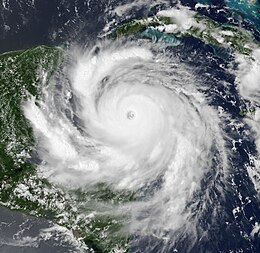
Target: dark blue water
(65,22)
(221,230)
(24,25)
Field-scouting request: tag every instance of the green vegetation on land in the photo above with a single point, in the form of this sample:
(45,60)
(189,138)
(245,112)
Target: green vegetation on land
(203,28)
(22,75)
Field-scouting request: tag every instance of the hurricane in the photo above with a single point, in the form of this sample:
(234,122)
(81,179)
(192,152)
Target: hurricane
(132,117)
(130,126)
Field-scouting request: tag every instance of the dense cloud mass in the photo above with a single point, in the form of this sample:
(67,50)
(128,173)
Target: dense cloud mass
(131,116)
(174,125)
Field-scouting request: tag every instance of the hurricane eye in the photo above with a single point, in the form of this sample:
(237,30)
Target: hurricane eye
(130,115)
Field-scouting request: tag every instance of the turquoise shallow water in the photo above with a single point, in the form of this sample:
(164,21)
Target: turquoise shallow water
(231,227)
(248,8)
(160,36)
